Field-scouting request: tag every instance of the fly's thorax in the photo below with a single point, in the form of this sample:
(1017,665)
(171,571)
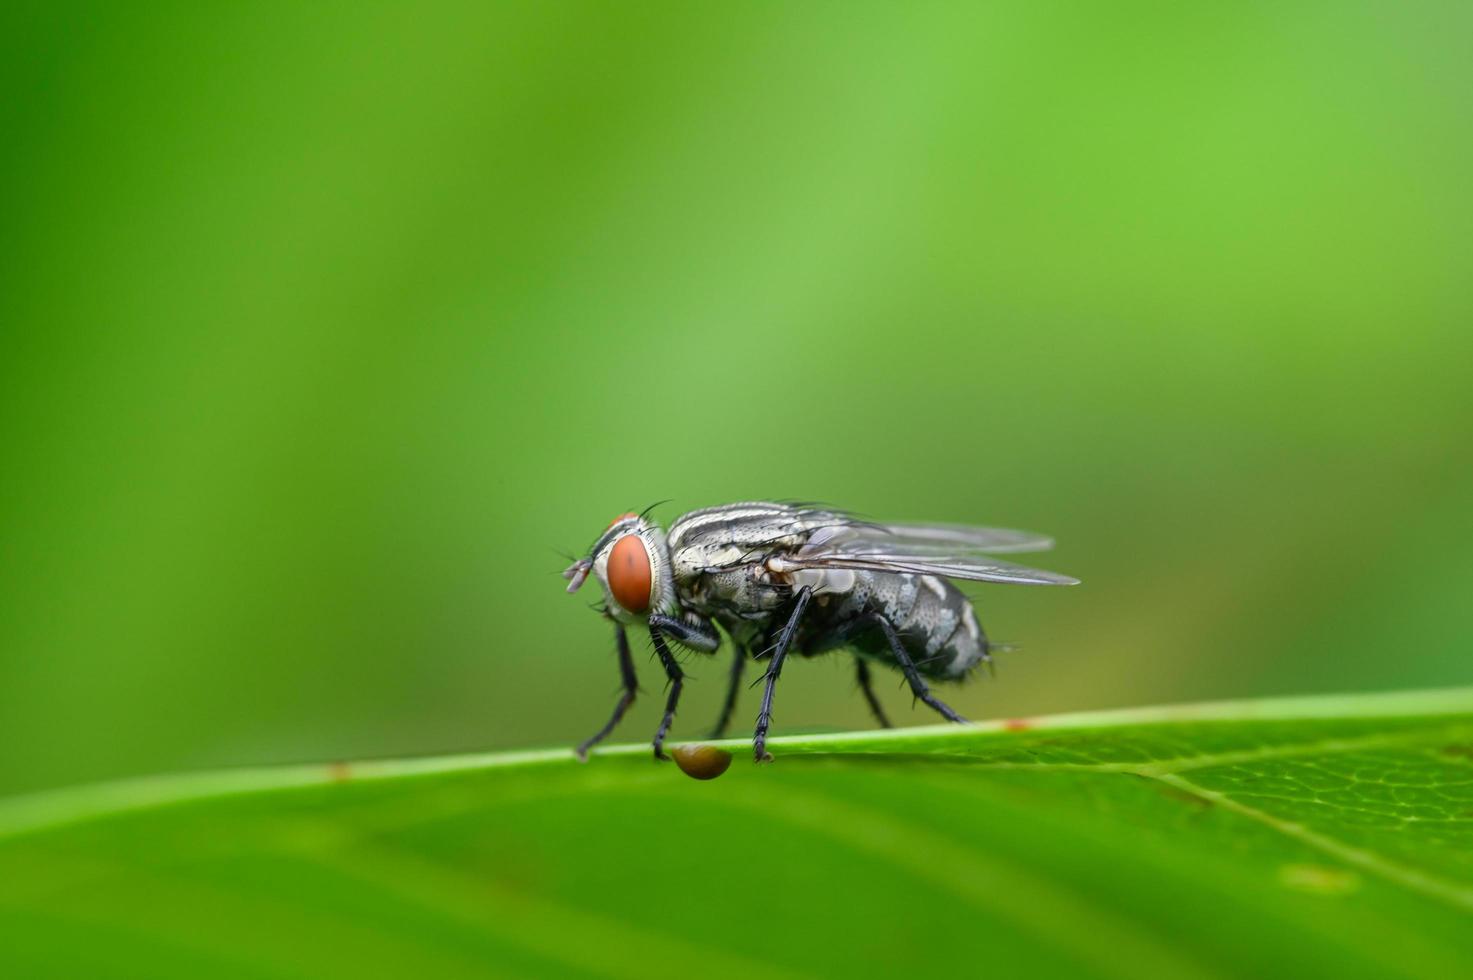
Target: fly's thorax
(736,535)
(742,592)
(728,561)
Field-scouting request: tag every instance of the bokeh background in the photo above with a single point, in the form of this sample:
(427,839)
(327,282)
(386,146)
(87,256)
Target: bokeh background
(325,325)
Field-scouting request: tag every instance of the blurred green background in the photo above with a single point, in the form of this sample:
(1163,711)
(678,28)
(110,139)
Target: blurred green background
(323,327)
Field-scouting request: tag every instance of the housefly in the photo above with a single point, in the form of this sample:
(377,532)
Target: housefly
(783,578)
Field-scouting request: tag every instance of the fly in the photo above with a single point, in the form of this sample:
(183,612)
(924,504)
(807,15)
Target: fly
(784,578)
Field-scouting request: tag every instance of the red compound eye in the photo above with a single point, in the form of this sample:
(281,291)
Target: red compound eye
(621,517)
(629,574)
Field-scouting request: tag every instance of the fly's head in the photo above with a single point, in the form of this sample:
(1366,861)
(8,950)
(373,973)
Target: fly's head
(632,562)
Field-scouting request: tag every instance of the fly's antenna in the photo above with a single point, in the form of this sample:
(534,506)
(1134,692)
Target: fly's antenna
(577,573)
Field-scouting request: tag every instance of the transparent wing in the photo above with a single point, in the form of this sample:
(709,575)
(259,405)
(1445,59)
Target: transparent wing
(861,556)
(953,538)
(837,540)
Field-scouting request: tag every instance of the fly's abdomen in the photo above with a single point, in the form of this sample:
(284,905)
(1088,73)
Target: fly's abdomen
(934,619)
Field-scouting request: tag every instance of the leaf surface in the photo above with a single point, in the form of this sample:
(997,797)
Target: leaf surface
(1312,837)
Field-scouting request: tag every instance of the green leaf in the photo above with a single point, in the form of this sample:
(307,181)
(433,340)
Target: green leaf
(1316,837)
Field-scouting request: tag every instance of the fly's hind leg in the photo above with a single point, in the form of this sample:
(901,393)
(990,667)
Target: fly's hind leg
(917,683)
(862,672)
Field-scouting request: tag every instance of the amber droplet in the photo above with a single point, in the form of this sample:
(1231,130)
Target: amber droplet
(702,761)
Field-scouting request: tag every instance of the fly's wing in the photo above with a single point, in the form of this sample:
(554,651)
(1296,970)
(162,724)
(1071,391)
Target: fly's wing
(945,550)
(792,537)
(978,569)
(954,538)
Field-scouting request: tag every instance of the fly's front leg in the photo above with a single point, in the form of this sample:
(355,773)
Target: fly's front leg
(917,684)
(696,633)
(774,670)
(677,679)
(631,686)
(862,671)
(733,686)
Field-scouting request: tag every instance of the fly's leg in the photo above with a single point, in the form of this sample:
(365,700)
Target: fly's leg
(774,670)
(862,670)
(631,685)
(917,684)
(695,633)
(677,680)
(733,686)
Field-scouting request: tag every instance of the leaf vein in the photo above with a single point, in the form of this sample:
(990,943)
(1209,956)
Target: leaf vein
(1415,879)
